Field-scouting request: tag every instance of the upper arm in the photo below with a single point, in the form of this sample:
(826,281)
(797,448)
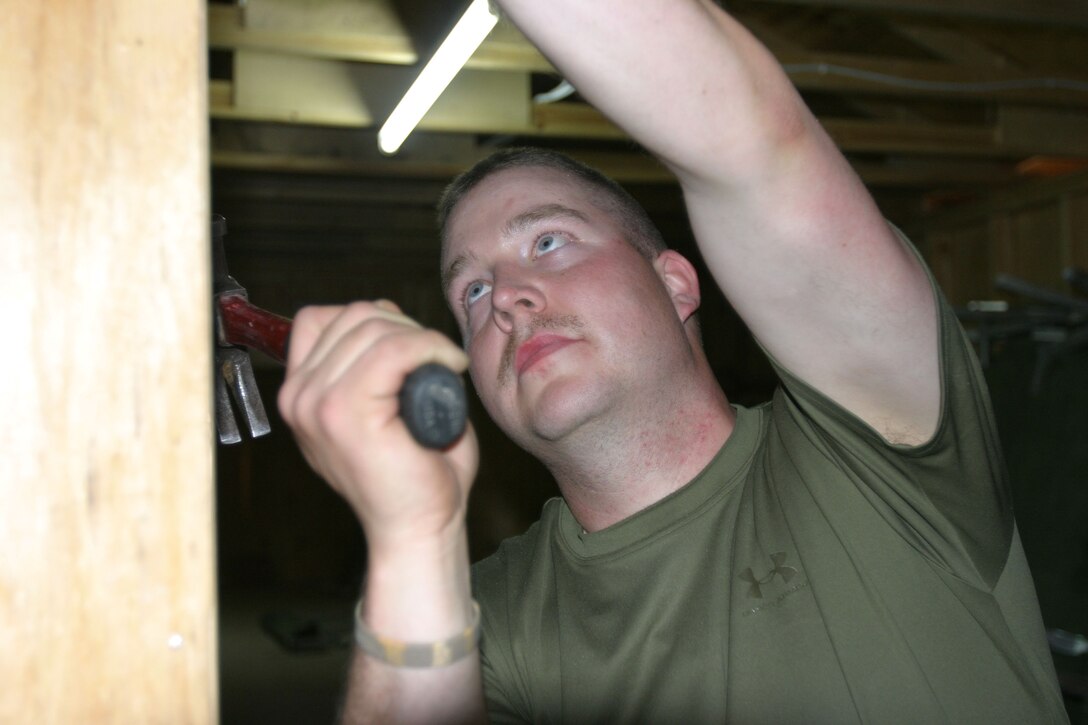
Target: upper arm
(826,284)
(796,242)
(786,227)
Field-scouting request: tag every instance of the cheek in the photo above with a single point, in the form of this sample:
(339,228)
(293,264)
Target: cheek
(627,296)
(484,352)
(484,376)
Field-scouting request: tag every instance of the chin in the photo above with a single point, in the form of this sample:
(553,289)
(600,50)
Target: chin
(565,407)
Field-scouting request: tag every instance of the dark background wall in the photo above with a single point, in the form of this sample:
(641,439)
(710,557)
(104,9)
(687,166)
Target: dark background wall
(1045,438)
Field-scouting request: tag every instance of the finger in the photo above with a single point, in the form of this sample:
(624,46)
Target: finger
(316,328)
(306,328)
(347,321)
(366,364)
(367,377)
(382,354)
(388,305)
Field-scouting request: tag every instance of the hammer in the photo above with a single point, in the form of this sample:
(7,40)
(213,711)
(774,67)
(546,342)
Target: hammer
(432,399)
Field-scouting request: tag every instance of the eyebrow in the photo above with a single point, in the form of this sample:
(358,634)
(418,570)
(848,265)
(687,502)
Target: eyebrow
(453,270)
(514,226)
(517,224)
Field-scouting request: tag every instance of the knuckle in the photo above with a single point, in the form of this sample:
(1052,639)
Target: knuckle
(361,309)
(311,315)
(284,399)
(382,333)
(436,338)
(300,415)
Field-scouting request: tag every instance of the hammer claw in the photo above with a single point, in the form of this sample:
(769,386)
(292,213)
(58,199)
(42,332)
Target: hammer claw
(225,422)
(236,374)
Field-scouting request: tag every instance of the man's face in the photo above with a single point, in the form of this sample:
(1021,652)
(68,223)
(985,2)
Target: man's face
(560,316)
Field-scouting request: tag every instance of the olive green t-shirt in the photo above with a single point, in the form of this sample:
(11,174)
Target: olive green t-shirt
(812,573)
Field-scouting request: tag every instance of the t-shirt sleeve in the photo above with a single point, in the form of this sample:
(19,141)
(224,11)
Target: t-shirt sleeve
(948,497)
(496,661)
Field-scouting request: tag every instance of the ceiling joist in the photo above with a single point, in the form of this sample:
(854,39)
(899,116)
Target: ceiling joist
(1037,12)
(929,95)
(292,89)
(387,41)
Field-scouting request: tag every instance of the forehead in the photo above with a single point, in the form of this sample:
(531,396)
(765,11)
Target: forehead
(483,214)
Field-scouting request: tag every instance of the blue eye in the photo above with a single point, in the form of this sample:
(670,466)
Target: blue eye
(475,291)
(550,242)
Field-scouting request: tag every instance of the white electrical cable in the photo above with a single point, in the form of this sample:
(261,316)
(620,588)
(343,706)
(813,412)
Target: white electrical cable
(561,91)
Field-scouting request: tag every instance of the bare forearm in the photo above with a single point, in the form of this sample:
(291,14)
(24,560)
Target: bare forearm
(345,365)
(376,695)
(681,76)
(419,595)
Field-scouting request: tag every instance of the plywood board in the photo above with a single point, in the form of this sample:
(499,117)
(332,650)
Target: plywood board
(106,487)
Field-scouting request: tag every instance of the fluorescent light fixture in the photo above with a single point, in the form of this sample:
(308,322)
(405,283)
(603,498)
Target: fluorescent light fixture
(455,50)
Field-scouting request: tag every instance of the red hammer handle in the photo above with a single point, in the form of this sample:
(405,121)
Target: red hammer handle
(250,326)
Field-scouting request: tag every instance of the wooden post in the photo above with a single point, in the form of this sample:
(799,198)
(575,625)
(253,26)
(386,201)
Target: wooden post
(106,484)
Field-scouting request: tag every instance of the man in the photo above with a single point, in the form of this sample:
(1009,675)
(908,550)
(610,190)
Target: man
(845,553)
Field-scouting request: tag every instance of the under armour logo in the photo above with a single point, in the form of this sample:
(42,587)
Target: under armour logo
(779,561)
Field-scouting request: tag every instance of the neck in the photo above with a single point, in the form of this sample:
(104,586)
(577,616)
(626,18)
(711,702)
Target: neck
(615,471)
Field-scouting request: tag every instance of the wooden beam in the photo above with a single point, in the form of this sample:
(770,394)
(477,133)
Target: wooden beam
(928,173)
(296,89)
(277,87)
(359,30)
(1038,12)
(294,29)
(507,49)
(908,79)
(911,138)
(1019,196)
(623,167)
(569,120)
(313,29)
(1016,138)
(1046,131)
(1050,166)
(1013,137)
(107,578)
(951,44)
(630,168)
(1058,52)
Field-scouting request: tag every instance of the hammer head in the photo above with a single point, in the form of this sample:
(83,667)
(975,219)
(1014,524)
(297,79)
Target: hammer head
(234,373)
(235,384)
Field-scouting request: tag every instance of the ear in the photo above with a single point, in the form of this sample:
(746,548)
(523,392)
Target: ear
(680,280)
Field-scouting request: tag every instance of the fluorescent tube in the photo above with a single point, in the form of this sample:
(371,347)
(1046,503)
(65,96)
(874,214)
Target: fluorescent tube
(455,50)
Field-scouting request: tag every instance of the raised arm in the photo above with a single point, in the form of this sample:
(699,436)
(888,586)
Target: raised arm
(786,227)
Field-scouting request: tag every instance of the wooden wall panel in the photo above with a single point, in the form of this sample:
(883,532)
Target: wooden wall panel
(107,574)
(1034,244)
(960,260)
(1077,229)
(1032,231)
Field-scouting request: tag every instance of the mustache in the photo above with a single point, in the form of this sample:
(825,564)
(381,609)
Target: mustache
(543,322)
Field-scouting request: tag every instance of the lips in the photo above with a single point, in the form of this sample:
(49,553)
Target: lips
(537,348)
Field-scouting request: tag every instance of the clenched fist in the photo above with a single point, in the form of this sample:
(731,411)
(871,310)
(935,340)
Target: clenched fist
(345,367)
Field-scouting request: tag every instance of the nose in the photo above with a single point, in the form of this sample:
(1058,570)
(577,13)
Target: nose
(512,298)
